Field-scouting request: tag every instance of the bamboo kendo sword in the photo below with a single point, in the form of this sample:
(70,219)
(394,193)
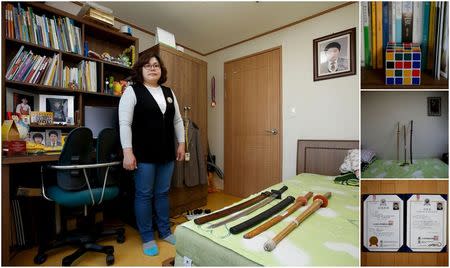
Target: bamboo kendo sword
(228,211)
(319,201)
(299,202)
(276,194)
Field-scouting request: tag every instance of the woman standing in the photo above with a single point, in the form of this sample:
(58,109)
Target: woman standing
(149,119)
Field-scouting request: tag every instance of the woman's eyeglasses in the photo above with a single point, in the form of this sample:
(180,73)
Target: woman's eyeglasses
(150,66)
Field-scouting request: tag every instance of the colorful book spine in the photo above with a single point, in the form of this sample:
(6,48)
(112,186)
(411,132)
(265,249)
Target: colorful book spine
(14,60)
(431,31)
(425,33)
(391,21)
(386,28)
(379,46)
(445,42)
(373,10)
(417,22)
(407,22)
(365,22)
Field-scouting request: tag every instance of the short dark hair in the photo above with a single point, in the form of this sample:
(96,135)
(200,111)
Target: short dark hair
(333,44)
(52,132)
(38,135)
(144,59)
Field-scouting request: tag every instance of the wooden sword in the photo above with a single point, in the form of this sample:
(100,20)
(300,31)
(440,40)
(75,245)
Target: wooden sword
(299,202)
(319,201)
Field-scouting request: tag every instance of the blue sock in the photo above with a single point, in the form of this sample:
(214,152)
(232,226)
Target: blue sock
(150,248)
(171,239)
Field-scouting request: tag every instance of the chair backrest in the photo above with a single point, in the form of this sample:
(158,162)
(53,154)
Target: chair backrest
(108,150)
(77,150)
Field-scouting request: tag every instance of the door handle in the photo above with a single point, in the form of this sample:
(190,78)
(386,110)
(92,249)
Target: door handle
(272,131)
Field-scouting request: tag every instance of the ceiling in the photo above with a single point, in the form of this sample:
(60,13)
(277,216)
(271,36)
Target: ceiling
(208,26)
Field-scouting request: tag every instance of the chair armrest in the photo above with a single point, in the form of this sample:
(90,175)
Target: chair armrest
(83,167)
(66,167)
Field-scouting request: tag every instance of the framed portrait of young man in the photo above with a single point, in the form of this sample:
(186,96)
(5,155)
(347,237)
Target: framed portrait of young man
(334,55)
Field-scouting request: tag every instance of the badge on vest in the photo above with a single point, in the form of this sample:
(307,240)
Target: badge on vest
(187,157)
(169,100)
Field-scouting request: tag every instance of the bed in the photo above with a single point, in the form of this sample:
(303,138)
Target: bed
(331,232)
(421,168)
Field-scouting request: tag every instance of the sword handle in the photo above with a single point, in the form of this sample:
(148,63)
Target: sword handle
(277,193)
(318,203)
(222,213)
(299,202)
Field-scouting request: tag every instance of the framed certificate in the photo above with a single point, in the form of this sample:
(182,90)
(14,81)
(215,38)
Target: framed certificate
(426,223)
(383,223)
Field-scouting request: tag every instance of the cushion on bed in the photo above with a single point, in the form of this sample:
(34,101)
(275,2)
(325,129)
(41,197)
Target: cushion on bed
(367,156)
(351,162)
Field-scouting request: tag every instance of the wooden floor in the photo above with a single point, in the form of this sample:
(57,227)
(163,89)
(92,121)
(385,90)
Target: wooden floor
(128,253)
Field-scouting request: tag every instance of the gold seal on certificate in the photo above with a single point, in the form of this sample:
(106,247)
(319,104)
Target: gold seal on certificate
(426,223)
(383,223)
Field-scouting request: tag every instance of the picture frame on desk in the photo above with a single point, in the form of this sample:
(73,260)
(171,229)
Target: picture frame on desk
(53,137)
(14,96)
(61,106)
(41,118)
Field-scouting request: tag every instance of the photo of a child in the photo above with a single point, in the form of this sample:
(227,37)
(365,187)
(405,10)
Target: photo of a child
(38,137)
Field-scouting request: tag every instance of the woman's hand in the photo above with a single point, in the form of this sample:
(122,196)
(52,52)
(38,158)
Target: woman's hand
(180,152)
(129,161)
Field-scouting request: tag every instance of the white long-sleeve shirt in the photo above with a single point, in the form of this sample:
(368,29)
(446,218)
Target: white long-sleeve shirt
(126,112)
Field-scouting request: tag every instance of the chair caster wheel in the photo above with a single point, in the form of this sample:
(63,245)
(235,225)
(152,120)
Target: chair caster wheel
(120,239)
(40,258)
(109,259)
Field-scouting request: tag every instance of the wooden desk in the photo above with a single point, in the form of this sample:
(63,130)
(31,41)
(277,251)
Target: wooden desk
(6,163)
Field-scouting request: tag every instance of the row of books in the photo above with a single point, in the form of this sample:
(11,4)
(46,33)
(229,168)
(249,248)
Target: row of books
(58,33)
(30,68)
(424,23)
(84,76)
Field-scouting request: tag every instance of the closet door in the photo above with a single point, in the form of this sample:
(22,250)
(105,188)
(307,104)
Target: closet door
(186,76)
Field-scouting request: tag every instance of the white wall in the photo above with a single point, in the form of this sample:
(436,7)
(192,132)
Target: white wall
(380,112)
(326,109)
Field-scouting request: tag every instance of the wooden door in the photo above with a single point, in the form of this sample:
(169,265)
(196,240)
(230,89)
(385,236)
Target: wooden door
(252,123)
(186,76)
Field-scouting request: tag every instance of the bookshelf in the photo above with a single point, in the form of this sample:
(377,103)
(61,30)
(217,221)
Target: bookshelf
(374,79)
(99,38)
(423,24)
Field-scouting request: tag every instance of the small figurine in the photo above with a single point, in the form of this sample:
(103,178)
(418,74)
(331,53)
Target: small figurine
(117,89)
(107,86)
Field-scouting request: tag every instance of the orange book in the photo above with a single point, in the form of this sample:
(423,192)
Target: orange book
(373,28)
(379,47)
(374,36)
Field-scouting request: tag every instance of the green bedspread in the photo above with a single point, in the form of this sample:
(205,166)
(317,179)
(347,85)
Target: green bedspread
(421,168)
(328,237)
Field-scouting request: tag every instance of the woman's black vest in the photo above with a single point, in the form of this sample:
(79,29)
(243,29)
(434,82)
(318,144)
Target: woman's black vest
(153,132)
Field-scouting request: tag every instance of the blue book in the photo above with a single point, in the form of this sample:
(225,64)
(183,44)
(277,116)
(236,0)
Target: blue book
(386,28)
(58,34)
(86,49)
(16,24)
(398,21)
(46,37)
(425,34)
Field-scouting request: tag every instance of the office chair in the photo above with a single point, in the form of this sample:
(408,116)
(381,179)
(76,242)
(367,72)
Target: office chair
(77,187)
